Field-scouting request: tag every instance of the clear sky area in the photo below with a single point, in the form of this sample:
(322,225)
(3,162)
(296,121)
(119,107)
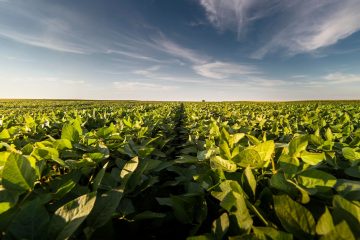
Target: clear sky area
(215,50)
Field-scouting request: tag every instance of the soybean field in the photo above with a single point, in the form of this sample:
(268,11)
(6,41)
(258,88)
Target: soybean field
(179,170)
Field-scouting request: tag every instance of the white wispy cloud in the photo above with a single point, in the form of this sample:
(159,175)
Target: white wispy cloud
(58,28)
(299,76)
(38,41)
(132,54)
(301,26)
(174,49)
(341,78)
(222,70)
(266,82)
(56,80)
(233,14)
(135,86)
(19,59)
(202,64)
(155,74)
(147,71)
(44,27)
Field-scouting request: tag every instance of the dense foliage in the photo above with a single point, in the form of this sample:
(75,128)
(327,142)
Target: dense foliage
(132,170)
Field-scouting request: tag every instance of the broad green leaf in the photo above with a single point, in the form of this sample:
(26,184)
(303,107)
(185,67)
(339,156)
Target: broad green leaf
(61,144)
(106,132)
(225,150)
(348,211)
(218,162)
(297,145)
(146,151)
(325,223)
(4,206)
(304,194)
(31,222)
(225,187)
(295,218)
(224,135)
(126,207)
(127,122)
(229,202)
(315,140)
(250,179)
(30,122)
(265,233)
(253,139)
(329,135)
(18,175)
(348,189)
(77,125)
(129,167)
(69,217)
(214,129)
(235,204)
(7,199)
(107,203)
(289,165)
(340,232)
(47,153)
(64,189)
(353,171)
(220,226)
(70,133)
(129,176)
(8,147)
(104,208)
(279,182)
(99,177)
(235,138)
(85,163)
(186,159)
(316,178)
(206,154)
(312,158)
(100,153)
(3,158)
(148,215)
(244,220)
(249,158)
(4,135)
(235,151)
(27,149)
(351,154)
(265,150)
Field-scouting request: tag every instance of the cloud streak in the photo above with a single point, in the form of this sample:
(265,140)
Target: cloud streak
(222,70)
(148,72)
(135,86)
(341,78)
(236,15)
(131,54)
(46,27)
(302,25)
(48,43)
(172,48)
(201,64)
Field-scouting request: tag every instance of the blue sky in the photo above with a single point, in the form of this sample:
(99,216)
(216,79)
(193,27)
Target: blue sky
(180,49)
